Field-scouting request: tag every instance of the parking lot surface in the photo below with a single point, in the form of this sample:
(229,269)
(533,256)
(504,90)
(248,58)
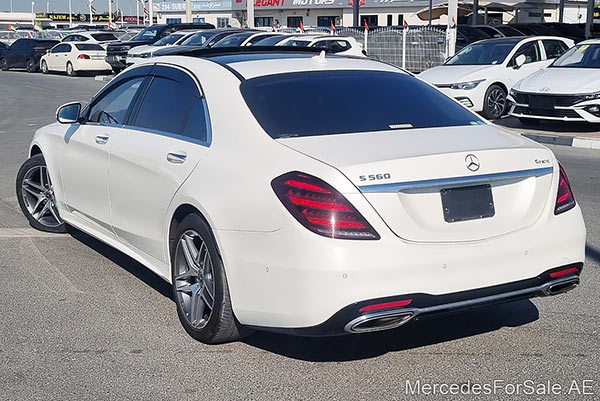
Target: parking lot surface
(80,321)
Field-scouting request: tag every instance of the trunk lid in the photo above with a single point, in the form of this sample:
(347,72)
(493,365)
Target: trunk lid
(402,174)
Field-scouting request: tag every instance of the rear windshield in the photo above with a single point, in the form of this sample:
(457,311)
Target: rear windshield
(103,37)
(88,46)
(344,101)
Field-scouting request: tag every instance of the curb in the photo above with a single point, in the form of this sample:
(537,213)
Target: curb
(576,142)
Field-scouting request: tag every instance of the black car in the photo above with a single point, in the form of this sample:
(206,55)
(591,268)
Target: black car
(116,53)
(3,46)
(202,39)
(25,53)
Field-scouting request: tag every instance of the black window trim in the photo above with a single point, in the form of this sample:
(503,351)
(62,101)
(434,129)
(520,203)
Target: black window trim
(137,102)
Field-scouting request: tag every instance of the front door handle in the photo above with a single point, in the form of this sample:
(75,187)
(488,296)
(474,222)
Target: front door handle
(176,157)
(101,139)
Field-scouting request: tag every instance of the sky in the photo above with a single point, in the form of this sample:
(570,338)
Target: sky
(62,6)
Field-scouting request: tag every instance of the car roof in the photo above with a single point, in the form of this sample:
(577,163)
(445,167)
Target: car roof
(518,39)
(252,62)
(590,42)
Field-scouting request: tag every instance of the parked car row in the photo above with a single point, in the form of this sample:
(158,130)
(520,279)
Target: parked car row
(481,75)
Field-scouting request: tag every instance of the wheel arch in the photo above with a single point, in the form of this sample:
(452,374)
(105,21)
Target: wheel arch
(179,214)
(35,150)
(500,84)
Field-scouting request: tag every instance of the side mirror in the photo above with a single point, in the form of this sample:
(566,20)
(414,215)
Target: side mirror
(68,113)
(48,51)
(520,60)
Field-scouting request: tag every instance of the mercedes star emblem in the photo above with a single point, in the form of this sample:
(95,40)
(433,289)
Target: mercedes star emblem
(472,162)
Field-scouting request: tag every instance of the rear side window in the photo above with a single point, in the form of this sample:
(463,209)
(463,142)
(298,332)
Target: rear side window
(345,101)
(112,108)
(88,46)
(554,48)
(175,107)
(103,37)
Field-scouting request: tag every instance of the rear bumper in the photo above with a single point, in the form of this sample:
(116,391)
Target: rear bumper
(117,60)
(293,279)
(350,319)
(91,65)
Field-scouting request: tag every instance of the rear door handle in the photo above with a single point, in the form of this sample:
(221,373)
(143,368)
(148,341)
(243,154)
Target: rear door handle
(101,139)
(176,157)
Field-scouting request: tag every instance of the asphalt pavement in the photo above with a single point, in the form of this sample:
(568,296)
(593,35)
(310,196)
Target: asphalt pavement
(80,321)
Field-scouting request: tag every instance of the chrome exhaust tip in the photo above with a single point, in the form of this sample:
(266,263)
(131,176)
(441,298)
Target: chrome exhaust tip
(560,287)
(379,321)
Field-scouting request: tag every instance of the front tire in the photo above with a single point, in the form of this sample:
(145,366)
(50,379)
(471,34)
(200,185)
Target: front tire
(44,67)
(30,65)
(200,286)
(494,102)
(35,195)
(70,71)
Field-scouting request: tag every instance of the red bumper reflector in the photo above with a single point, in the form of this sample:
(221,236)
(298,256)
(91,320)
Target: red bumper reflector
(385,305)
(560,273)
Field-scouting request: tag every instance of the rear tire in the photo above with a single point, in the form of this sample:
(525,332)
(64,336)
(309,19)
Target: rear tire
(30,65)
(44,67)
(494,102)
(3,64)
(70,71)
(36,196)
(199,280)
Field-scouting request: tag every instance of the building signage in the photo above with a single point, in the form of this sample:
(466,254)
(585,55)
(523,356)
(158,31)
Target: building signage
(202,5)
(229,5)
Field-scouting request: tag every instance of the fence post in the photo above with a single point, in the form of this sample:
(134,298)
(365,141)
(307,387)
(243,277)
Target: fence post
(404,47)
(366,38)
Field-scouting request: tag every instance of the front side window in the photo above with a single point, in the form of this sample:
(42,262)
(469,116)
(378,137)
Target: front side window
(554,48)
(322,103)
(112,108)
(297,43)
(531,51)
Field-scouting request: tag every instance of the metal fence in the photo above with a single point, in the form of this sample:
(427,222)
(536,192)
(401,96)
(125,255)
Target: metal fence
(425,45)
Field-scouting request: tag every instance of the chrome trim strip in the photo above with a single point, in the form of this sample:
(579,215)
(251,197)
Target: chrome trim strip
(541,290)
(440,182)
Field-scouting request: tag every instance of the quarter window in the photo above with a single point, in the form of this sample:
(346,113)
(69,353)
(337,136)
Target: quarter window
(112,108)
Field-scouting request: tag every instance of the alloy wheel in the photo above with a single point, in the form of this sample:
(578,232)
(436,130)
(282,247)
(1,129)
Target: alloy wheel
(38,196)
(194,279)
(496,102)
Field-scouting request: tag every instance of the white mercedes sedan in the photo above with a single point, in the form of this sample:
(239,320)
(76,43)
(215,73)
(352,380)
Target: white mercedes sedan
(481,75)
(204,167)
(568,90)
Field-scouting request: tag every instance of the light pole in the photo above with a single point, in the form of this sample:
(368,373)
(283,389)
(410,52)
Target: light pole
(110,13)
(11,10)
(32,14)
(188,10)
(70,15)
(137,12)
(91,12)
(47,7)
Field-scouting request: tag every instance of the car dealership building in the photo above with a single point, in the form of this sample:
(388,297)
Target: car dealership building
(290,13)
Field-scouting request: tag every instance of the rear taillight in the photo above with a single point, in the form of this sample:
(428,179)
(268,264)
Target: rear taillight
(320,208)
(83,57)
(564,198)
